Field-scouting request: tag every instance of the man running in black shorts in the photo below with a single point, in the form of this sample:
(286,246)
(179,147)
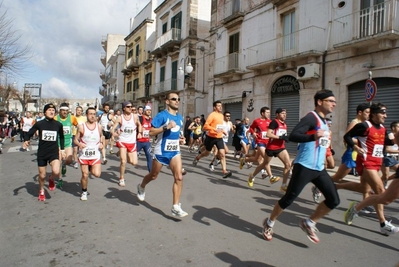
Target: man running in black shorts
(48,151)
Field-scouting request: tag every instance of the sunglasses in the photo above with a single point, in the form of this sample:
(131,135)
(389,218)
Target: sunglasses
(128,106)
(174,99)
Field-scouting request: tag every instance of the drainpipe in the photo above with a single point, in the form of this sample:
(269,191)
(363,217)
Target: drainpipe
(323,66)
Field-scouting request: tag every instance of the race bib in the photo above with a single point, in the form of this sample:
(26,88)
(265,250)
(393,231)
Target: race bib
(172,145)
(146,133)
(325,140)
(128,130)
(281,132)
(66,129)
(264,135)
(377,151)
(219,127)
(49,135)
(89,152)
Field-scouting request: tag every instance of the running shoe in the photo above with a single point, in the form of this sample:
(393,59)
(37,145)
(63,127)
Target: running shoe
(140,193)
(310,231)
(183,171)
(63,168)
(177,211)
(105,161)
(211,167)
(242,163)
(195,161)
(389,229)
(60,183)
(217,162)
(227,174)
(274,179)
(368,210)
(283,188)
(112,152)
(121,182)
(249,165)
(267,231)
(27,149)
(251,180)
(42,196)
(83,197)
(51,184)
(76,165)
(264,174)
(316,194)
(350,214)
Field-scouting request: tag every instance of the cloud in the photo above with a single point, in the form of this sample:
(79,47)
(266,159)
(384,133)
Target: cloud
(65,37)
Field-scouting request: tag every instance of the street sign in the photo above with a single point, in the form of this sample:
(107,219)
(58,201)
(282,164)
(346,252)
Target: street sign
(370,90)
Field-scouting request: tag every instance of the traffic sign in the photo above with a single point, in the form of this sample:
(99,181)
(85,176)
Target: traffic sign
(370,90)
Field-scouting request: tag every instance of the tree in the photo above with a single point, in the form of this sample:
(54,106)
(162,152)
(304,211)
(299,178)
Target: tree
(12,56)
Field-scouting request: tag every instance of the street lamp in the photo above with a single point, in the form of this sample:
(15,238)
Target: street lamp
(186,74)
(116,93)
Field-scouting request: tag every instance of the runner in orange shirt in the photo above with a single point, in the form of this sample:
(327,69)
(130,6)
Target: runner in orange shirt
(214,137)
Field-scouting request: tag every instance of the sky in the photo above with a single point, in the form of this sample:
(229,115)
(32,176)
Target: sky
(65,40)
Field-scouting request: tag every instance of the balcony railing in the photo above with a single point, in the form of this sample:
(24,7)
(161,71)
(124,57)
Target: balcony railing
(164,86)
(229,63)
(372,22)
(145,92)
(102,74)
(171,35)
(104,41)
(103,59)
(132,62)
(303,42)
(111,76)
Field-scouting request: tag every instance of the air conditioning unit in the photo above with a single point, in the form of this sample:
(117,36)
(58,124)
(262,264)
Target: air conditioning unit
(308,71)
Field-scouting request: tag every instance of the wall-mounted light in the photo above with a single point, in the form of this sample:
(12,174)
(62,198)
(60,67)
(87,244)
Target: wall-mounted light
(244,93)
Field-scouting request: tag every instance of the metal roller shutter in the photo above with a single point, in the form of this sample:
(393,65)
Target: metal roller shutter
(291,103)
(235,110)
(387,94)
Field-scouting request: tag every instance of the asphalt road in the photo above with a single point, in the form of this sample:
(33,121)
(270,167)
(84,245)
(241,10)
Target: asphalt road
(223,228)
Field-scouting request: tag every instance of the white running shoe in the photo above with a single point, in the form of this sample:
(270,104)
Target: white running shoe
(389,229)
(140,192)
(83,197)
(177,211)
(121,182)
(76,165)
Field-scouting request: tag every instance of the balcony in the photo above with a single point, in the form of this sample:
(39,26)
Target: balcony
(131,65)
(299,44)
(111,77)
(376,24)
(102,74)
(165,86)
(107,99)
(232,13)
(144,92)
(167,42)
(229,65)
(103,59)
(104,42)
(102,90)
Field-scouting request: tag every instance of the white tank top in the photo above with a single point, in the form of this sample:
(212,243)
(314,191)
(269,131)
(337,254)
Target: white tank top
(128,130)
(28,123)
(104,122)
(226,128)
(92,140)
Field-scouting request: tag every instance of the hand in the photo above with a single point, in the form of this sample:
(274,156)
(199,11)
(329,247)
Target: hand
(318,134)
(182,140)
(283,137)
(63,155)
(171,124)
(358,149)
(139,135)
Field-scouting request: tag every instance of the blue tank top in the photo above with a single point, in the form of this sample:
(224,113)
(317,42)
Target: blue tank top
(313,154)
(167,143)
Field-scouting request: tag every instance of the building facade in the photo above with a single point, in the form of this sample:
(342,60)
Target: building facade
(278,53)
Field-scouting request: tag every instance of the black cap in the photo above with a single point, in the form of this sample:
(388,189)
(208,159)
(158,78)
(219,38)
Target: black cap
(47,106)
(279,110)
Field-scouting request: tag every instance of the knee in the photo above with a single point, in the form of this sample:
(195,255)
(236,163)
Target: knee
(333,202)
(123,162)
(287,200)
(179,178)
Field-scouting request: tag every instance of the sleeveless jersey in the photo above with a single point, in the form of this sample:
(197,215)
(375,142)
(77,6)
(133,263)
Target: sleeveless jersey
(260,126)
(28,123)
(227,128)
(198,130)
(128,130)
(372,144)
(104,122)
(167,143)
(146,124)
(275,144)
(66,126)
(92,140)
(313,154)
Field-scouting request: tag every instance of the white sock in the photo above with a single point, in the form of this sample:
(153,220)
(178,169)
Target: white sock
(270,223)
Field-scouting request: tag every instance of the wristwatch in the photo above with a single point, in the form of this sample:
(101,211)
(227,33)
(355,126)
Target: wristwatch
(165,128)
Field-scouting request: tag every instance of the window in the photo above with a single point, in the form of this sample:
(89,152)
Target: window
(135,84)
(128,87)
(234,47)
(130,53)
(148,82)
(176,21)
(371,17)
(174,76)
(289,31)
(164,27)
(162,74)
(137,53)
